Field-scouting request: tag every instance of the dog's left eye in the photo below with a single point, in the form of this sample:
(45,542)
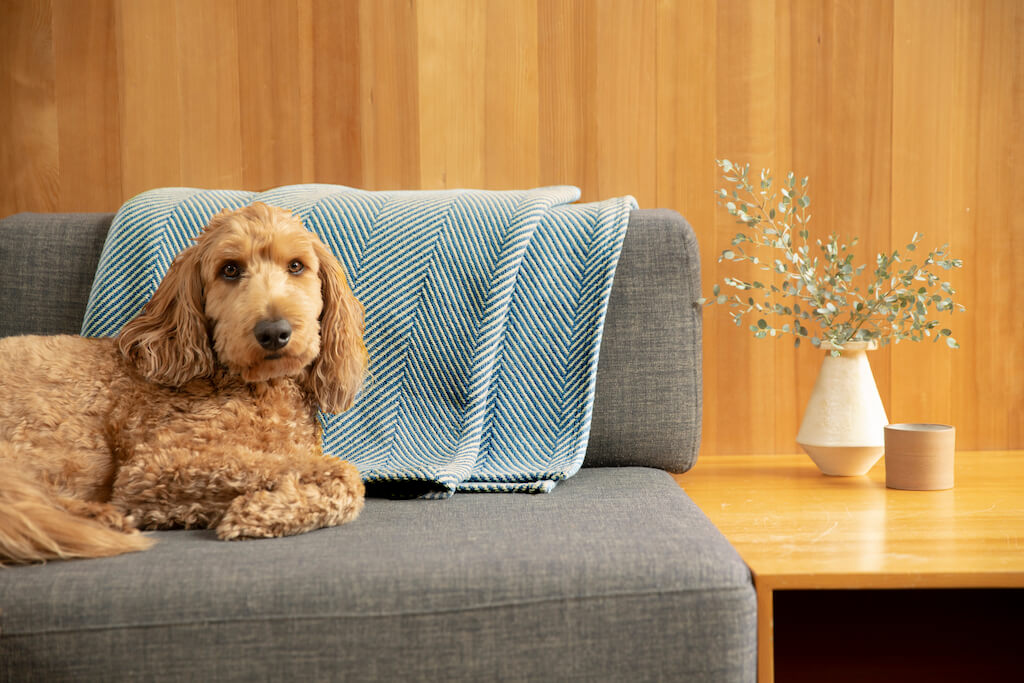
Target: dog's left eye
(296,267)
(230,271)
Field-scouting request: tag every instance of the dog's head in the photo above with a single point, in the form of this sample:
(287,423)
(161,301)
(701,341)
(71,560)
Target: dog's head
(261,296)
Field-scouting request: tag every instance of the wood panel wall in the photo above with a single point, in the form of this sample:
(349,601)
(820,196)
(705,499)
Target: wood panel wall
(906,114)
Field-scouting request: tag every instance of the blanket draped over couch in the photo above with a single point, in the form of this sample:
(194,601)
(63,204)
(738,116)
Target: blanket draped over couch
(484,313)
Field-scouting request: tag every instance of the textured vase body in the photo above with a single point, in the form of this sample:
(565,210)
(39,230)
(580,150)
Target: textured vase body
(843,429)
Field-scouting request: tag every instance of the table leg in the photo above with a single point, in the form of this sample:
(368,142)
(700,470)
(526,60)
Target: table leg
(765,632)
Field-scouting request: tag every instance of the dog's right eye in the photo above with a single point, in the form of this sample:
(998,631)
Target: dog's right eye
(230,271)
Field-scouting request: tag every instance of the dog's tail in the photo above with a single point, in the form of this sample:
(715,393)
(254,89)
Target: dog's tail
(34,528)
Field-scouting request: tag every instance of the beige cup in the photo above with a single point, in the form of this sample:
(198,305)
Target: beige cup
(919,457)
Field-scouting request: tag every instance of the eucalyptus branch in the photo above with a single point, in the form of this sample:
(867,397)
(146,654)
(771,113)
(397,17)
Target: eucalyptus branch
(829,297)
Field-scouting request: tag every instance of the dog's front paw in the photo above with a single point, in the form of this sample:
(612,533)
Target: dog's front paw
(254,515)
(295,505)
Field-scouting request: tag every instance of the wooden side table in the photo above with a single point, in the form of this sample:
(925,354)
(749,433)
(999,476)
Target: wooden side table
(798,529)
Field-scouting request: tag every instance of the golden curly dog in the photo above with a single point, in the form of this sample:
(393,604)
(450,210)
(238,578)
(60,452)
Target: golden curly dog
(202,413)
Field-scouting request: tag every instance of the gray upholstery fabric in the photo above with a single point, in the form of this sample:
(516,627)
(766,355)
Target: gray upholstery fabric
(647,409)
(648,397)
(615,575)
(48,263)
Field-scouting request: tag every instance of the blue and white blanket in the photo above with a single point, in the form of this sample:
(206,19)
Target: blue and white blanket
(484,313)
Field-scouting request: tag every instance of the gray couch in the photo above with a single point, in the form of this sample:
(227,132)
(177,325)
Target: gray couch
(615,575)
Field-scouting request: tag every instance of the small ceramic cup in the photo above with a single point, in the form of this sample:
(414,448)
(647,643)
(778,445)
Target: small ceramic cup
(919,457)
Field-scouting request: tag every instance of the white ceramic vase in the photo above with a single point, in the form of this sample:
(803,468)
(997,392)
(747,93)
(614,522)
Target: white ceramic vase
(843,429)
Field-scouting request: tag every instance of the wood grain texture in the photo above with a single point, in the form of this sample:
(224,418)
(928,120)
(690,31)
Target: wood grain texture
(208,76)
(336,110)
(451,38)
(799,529)
(275,146)
(29,155)
(567,75)
(906,114)
(511,95)
(149,94)
(389,95)
(747,62)
(88,118)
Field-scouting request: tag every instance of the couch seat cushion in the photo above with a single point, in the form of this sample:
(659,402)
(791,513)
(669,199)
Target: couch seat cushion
(615,575)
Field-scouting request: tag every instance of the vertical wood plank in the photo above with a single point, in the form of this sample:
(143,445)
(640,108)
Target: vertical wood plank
(306,64)
(988,116)
(685,108)
(211,128)
(270,93)
(88,121)
(859,169)
(451,93)
(998,327)
(150,115)
(624,102)
(925,70)
(336,91)
(29,155)
(799,28)
(389,95)
(974,373)
(743,367)
(567,80)
(511,102)
(686,131)
(840,85)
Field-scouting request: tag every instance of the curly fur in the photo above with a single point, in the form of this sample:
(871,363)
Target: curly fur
(186,419)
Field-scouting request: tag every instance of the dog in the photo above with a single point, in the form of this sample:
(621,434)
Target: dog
(202,413)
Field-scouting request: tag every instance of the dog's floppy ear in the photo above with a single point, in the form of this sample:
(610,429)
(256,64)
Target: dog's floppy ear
(338,371)
(168,342)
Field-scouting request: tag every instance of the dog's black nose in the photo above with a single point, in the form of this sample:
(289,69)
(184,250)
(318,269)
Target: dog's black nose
(272,334)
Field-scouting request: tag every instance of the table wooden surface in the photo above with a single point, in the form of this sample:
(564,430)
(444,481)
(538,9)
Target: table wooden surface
(799,529)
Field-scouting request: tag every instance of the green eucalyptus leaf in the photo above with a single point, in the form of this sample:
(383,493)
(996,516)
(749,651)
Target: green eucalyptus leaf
(898,298)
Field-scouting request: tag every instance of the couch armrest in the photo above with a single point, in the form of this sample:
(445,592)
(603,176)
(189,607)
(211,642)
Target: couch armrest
(647,408)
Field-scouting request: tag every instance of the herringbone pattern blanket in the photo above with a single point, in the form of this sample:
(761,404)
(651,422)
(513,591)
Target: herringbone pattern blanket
(484,313)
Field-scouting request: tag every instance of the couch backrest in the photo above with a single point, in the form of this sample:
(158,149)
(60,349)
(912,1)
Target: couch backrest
(647,409)
(47,263)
